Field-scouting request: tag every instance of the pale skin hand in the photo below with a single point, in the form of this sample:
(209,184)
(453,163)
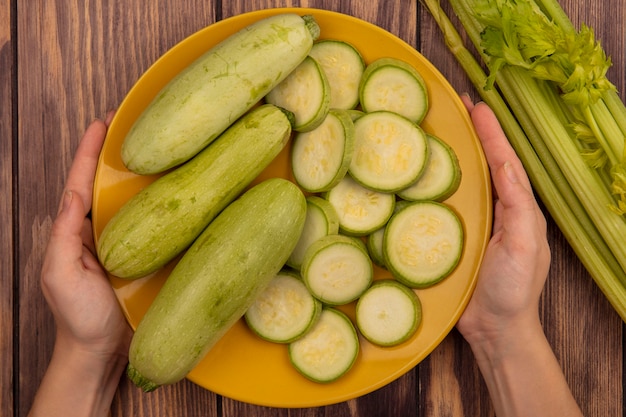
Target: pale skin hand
(501,322)
(91,346)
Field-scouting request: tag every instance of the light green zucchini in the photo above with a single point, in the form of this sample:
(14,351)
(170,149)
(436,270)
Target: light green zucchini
(441,176)
(423,243)
(329,350)
(285,310)
(374,242)
(321,220)
(337,269)
(321,157)
(306,93)
(162,220)
(389,313)
(215,90)
(361,210)
(390,151)
(216,281)
(344,66)
(394,85)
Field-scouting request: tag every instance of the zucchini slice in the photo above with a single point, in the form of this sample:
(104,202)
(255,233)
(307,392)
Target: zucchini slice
(321,157)
(390,151)
(337,269)
(284,311)
(441,177)
(360,209)
(344,67)
(306,93)
(374,244)
(321,220)
(374,241)
(394,85)
(389,313)
(328,350)
(355,114)
(423,243)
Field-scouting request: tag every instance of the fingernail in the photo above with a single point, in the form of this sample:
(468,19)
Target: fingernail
(67,200)
(510,172)
(109,116)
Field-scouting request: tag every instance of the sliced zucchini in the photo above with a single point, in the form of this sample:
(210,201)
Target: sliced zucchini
(390,151)
(284,311)
(344,66)
(321,220)
(306,93)
(361,210)
(389,313)
(374,244)
(328,350)
(441,177)
(423,243)
(321,157)
(394,85)
(355,114)
(337,269)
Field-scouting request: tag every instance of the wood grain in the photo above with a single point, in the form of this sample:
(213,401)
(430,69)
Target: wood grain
(77,61)
(73,61)
(7,71)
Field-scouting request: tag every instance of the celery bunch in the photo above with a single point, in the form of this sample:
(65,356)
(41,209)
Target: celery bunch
(561,114)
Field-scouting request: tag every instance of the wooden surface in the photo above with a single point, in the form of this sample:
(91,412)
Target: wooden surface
(64,63)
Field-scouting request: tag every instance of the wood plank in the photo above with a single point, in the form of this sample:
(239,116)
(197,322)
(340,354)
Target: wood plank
(76,61)
(7,45)
(569,289)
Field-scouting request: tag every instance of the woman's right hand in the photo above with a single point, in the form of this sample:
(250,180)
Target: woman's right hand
(501,321)
(517,259)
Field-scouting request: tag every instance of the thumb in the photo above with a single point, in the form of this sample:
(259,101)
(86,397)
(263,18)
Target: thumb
(518,213)
(512,193)
(66,236)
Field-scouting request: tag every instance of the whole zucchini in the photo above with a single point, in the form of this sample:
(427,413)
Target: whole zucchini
(215,90)
(162,220)
(216,281)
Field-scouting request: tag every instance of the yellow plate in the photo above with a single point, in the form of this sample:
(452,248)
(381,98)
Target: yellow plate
(241,366)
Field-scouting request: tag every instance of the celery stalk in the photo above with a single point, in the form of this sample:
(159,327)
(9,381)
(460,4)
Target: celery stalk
(585,182)
(554,189)
(547,44)
(464,9)
(617,109)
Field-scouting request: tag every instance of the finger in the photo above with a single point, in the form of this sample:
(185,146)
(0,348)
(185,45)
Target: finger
(467,101)
(66,244)
(109,117)
(89,255)
(520,214)
(498,216)
(70,220)
(87,236)
(497,148)
(83,170)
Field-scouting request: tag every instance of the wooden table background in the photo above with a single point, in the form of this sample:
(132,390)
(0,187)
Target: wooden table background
(65,62)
